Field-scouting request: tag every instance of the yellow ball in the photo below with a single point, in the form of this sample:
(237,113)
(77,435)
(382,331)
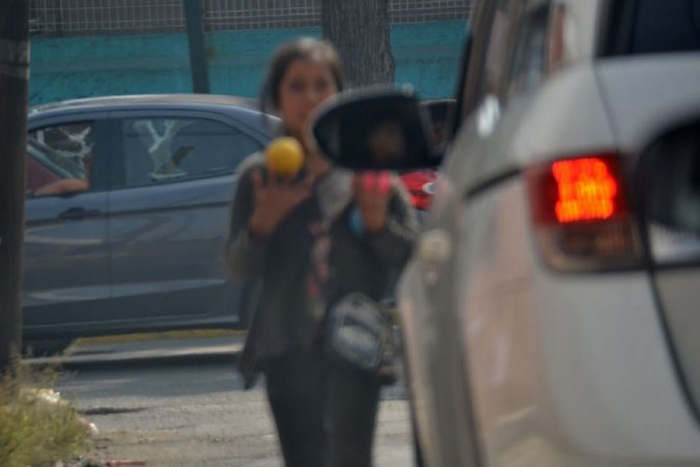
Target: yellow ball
(284,157)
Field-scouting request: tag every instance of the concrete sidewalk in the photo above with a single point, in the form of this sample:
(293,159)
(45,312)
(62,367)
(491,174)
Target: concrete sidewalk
(181,403)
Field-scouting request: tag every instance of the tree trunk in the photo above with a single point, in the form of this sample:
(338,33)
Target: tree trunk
(360,31)
(14,83)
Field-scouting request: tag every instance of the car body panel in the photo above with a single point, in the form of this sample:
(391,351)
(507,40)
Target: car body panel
(167,238)
(671,217)
(640,112)
(534,129)
(574,368)
(67,264)
(152,260)
(435,361)
(484,162)
(167,248)
(678,296)
(644,115)
(557,369)
(67,275)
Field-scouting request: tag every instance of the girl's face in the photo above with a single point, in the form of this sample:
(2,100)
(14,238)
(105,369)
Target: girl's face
(304,86)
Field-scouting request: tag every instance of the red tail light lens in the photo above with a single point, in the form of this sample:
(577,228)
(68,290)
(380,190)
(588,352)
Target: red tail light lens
(587,190)
(420,186)
(581,215)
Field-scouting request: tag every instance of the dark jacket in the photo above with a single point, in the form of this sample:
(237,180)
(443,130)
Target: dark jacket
(358,262)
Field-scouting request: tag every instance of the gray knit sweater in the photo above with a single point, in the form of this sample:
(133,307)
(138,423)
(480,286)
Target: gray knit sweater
(359,261)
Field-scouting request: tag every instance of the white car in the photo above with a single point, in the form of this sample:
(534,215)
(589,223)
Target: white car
(551,311)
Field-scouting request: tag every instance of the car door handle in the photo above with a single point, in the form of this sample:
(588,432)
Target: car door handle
(73,214)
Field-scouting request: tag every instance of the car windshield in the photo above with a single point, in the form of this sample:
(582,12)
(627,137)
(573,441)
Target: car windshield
(656,26)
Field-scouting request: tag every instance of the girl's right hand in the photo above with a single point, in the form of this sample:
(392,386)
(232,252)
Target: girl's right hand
(275,201)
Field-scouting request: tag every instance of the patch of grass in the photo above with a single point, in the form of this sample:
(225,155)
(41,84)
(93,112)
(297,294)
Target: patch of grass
(37,429)
(151,336)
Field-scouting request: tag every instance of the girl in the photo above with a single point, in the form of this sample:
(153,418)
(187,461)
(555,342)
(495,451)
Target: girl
(311,241)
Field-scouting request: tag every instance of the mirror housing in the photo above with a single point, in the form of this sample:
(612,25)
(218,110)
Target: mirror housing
(377,129)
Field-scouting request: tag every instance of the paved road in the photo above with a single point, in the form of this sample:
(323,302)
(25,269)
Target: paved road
(181,403)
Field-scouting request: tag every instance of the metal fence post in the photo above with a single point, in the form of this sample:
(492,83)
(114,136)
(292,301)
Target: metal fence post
(198,55)
(14,84)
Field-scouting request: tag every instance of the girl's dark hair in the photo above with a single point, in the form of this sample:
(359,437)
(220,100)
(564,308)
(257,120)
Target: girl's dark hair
(306,48)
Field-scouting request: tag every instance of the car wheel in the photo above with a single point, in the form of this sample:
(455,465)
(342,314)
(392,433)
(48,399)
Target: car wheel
(45,347)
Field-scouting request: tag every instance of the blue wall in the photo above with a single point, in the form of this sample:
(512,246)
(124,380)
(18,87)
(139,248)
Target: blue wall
(426,54)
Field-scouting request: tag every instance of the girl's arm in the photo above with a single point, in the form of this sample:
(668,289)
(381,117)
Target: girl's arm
(394,244)
(245,253)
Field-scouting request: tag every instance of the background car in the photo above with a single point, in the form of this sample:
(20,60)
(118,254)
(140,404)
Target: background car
(421,183)
(421,186)
(127,212)
(549,312)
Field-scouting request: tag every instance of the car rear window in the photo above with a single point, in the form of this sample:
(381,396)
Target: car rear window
(673,187)
(654,26)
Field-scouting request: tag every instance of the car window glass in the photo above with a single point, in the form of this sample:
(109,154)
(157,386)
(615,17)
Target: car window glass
(158,150)
(60,159)
(487,65)
(529,62)
(666,26)
(495,53)
(652,27)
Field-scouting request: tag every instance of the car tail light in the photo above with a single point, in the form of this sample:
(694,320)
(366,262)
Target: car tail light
(582,218)
(420,186)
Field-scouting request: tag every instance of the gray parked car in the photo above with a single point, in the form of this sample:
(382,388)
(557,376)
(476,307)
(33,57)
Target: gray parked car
(127,211)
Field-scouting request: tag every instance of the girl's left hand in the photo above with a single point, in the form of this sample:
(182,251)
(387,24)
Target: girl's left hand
(372,192)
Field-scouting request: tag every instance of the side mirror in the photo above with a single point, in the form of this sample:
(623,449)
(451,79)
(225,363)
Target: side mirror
(377,129)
